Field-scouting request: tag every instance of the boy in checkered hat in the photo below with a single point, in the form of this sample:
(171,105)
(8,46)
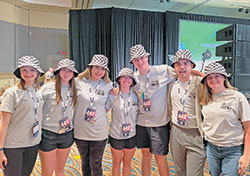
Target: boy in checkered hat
(187,146)
(152,129)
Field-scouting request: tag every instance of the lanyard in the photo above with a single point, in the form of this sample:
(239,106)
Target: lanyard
(35,100)
(147,87)
(92,94)
(65,103)
(182,101)
(126,109)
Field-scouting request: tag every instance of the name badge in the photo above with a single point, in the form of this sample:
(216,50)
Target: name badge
(90,115)
(147,105)
(182,118)
(35,129)
(65,125)
(126,128)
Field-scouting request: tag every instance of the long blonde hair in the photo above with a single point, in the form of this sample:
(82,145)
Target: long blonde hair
(58,89)
(206,95)
(87,72)
(21,84)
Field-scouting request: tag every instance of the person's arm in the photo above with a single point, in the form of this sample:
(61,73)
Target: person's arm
(197,73)
(244,159)
(4,124)
(114,91)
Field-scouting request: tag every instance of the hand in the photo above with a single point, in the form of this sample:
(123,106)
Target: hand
(197,73)
(243,163)
(3,160)
(114,91)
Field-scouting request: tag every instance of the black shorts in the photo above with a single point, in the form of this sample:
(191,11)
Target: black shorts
(120,144)
(51,140)
(154,138)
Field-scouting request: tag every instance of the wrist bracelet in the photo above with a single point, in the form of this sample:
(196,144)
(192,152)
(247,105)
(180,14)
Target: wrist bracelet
(1,149)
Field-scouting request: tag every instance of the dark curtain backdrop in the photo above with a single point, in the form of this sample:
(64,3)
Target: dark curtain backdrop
(113,31)
(130,27)
(89,34)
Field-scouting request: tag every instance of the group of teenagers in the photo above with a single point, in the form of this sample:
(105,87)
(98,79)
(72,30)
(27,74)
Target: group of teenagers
(199,114)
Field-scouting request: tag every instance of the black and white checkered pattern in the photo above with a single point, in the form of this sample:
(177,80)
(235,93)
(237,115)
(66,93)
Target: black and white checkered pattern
(28,61)
(183,54)
(137,51)
(126,72)
(99,60)
(247,95)
(214,67)
(66,63)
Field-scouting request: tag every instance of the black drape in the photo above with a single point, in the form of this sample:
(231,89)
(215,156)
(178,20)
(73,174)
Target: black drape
(131,27)
(89,33)
(113,31)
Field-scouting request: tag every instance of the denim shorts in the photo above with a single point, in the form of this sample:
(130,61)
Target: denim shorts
(154,138)
(120,144)
(51,140)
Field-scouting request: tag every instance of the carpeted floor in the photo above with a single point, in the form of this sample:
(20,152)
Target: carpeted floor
(74,163)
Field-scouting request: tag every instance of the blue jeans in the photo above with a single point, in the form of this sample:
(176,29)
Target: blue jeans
(223,161)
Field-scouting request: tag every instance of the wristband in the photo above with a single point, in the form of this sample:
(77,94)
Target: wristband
(1,149)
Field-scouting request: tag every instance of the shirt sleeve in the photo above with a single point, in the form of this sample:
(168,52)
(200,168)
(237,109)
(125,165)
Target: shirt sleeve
(109,102)
(8,102)
(244,109)
(171,71)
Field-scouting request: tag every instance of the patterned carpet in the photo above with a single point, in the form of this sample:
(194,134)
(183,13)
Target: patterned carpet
(74,163)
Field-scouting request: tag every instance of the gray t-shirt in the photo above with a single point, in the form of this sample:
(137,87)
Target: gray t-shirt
(223,118)
(159,77)
(189,105)
(84,130)
(52,112)
(21,106)
(118,114)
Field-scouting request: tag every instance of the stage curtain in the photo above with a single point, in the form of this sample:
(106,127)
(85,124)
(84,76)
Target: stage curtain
(112,32)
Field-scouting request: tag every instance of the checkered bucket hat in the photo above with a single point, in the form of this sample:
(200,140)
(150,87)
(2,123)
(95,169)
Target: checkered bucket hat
(126,72)
(28,61)
(99,60)
(214,67)
(66,63)
(137,51)
(182,54)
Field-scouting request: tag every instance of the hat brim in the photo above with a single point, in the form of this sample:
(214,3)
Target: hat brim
(18,74)
(74,71)
(205,77)
(133,84)
(131,60)
(172,65)
(98,65)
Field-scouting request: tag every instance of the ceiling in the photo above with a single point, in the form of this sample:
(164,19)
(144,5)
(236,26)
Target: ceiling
(226,8)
